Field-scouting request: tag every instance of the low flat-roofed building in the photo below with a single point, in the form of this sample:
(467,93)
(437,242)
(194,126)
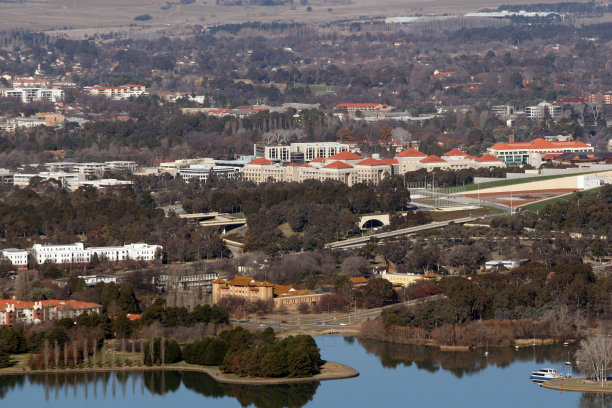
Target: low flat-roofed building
(201,172)
(93,280)
(505,263)
(68,180)
(404,279)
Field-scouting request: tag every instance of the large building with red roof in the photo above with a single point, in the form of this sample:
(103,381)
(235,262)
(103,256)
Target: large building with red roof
(14,311)
(247,288)
(518,153)
(351,168)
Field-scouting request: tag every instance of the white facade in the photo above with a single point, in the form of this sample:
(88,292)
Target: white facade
(34,94)
(589,182)
(202,171)
(538,111)
(77,253)
(299,151)
(69,180)
(92,280)
(18,257)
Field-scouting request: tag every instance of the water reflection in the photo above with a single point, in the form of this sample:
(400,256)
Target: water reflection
(105,384)
(501,377)
(461,363)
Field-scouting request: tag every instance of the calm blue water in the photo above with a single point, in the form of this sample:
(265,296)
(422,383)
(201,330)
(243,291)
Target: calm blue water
(393,375)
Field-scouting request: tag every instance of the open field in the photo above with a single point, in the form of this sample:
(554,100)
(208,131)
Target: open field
(79,19)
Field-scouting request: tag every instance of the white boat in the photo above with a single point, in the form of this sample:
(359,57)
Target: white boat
(545,374)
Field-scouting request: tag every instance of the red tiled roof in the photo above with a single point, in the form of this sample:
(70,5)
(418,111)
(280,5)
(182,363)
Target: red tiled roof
(72,304)
(338,165)
(317,160)
(292,165)
(488,158)
(359,105)
(345,155)
(371,162)
(455,152)
(390,161)
(433,159)
(262,161)
(550,156)
(538,143)
(411,152)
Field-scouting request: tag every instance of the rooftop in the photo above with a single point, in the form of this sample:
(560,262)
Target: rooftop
(345,155)
(433,159)
(411,152)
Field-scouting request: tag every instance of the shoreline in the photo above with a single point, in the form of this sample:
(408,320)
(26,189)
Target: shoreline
(339,371)
(518,343)
(577,384)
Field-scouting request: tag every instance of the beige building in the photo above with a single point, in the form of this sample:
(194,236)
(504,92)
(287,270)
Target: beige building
(246,287)
(118,92)
(350,168)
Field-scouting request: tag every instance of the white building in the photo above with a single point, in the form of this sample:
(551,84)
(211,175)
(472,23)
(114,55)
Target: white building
(299,151)
(68,180)
(77,253)
(35,94)
(202,171)
(17,257)
(538,112)
(506,263)
(93,280)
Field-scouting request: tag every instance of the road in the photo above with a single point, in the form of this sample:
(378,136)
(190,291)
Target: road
(362,241)
(348,320)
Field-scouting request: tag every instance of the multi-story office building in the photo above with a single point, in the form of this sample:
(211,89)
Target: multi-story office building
(295,152)
(539,111)
(27,95)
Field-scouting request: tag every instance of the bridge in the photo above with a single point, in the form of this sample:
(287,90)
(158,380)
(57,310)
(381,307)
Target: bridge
(215,219)
(362,241)
(374,221)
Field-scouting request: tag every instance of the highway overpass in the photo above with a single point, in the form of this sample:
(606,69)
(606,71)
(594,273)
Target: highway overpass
(362,241)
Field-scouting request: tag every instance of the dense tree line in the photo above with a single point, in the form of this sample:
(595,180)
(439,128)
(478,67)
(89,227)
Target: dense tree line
(243,353)
(529,301)
(46,213)
(169,316)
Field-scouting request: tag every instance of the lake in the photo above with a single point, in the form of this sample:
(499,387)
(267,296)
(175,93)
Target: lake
(391,374)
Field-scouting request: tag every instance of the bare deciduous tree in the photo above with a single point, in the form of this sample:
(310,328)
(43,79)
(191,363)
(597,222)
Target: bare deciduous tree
(595,355)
